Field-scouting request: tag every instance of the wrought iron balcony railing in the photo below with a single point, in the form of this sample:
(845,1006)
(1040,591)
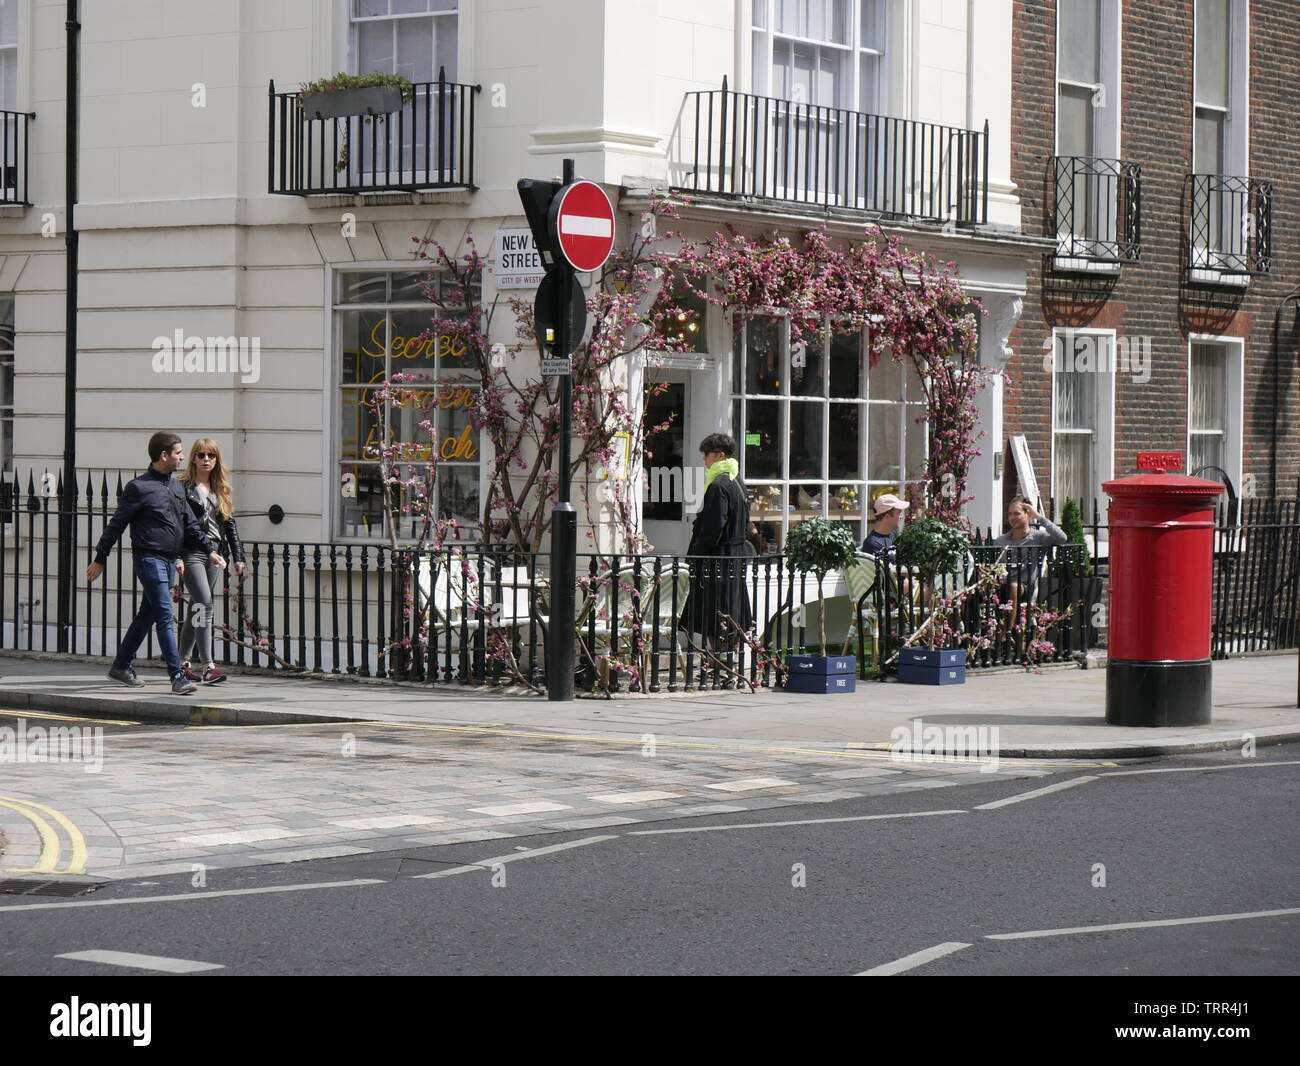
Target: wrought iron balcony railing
(739,144)
(1230,225)
(14,129)
(427,144)
(1097,209)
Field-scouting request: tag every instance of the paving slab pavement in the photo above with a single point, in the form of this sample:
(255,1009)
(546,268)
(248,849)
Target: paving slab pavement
(1057,713)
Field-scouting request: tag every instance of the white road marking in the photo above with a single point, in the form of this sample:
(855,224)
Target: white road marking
(800,821)
(1036,792)
(189,897)
(635,797)
(912,961)
(1186,769)
(586,226)
(1142,925)
(509,809)
(391,821)
(750,783)
(486,864)
(141,962)
(242,836)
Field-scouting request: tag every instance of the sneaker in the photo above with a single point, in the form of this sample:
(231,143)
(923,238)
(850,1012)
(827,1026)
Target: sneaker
(125,675)
(188,673)
(183,686)
(212,676)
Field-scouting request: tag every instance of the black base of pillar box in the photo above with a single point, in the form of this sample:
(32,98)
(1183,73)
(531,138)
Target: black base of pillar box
(1158,694)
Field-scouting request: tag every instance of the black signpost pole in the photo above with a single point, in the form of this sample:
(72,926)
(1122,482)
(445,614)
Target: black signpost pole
(564,519)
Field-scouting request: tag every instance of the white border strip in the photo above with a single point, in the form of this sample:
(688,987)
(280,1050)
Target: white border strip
(157,963)
(802,821)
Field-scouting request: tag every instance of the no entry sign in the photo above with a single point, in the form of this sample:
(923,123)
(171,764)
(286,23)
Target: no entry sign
(582,225)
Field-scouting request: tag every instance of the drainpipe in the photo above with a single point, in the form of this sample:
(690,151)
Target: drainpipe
(1277,385)
(68,503)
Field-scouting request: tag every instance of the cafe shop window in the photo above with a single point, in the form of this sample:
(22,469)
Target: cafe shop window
(382,326)
(819,434)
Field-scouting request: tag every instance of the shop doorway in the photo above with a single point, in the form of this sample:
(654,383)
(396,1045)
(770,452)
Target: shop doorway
(665,517)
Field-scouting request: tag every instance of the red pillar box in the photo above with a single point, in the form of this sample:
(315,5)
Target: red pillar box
(1161,563)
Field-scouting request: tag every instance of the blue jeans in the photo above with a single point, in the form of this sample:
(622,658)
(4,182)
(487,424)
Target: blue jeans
(156,577)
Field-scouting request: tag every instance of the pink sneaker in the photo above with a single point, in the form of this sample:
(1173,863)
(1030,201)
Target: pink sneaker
(211,676)
(188,673)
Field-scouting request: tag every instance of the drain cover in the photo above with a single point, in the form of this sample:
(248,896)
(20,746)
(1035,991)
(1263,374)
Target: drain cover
(39,887)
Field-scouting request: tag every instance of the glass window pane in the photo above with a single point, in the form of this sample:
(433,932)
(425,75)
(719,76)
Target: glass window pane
(763,356)
(361,341)
(916,434)
(831,87)
(408,286)
(869,84)
(915,391)
(846,441)
(445,59)
(846,364)
(871,31)
(362,513)
(1207,148)
(360,432)
(415,50)
(374,50)
(760,14)
(803,64)
(885,381)
(1078,39)
(367,8)
(1206,450)
(370,288)
(1074,121)
(1209,381)
(806,440)
(1212,32)
(413,345)
(763,460)
(1072,474)
(807,377)
(884,446)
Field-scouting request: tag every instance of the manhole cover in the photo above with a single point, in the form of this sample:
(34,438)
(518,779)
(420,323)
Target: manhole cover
(36,887)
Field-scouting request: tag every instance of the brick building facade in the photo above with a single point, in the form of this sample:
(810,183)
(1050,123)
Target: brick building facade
(1175,335)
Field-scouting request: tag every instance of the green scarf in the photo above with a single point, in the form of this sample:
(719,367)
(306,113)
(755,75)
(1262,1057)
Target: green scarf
(723,466)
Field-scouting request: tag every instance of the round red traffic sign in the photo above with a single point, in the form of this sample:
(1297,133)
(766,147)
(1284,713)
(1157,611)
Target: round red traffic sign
(582,225)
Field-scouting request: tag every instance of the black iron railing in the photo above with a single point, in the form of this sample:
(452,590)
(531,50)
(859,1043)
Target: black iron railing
(1097,209)
(427,144)
(739,144)
(1230,224)
(14,131)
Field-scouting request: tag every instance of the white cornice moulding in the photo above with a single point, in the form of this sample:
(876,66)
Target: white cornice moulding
(595,139)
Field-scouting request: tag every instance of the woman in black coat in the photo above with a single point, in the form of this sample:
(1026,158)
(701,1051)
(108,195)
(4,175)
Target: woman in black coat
(718,587)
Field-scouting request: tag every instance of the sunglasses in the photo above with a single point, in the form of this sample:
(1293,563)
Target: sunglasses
(205,455)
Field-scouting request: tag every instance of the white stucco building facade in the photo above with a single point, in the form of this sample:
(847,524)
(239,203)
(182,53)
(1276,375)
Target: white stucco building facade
(180,235)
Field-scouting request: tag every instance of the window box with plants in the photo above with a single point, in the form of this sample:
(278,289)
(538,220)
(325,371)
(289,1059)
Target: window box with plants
(356,94)
(817,546)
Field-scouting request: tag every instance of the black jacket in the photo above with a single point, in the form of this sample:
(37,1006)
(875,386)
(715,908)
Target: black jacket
(718,585)
(230,541)
(153,505)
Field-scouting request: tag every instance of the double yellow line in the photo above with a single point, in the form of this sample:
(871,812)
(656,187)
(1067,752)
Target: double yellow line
(51,848)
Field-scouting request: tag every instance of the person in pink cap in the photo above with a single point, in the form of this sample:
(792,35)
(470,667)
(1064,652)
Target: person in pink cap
(889,516)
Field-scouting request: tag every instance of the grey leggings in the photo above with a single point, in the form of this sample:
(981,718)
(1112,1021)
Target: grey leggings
(202,580)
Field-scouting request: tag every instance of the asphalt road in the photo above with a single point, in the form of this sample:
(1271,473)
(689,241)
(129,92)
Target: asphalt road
(900,875)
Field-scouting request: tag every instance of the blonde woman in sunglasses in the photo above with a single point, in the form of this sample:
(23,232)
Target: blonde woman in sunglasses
(207,490)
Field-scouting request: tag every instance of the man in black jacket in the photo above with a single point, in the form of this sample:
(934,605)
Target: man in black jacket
(162,526)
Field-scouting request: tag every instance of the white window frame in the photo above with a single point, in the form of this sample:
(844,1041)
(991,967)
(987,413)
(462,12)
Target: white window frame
(1236,147)
(761,70)
(908,409)
(348,24)
(1103,453)
(332,458)
(1233,400)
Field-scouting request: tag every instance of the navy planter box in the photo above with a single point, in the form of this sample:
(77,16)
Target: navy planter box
(823,683)
(821,673)
(922,666)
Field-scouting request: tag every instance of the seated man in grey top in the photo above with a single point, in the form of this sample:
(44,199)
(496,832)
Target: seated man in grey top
(1025,548)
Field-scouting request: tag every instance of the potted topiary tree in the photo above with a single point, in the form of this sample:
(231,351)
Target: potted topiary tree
(1073,579)
(355,94)
(816,546)
(932,547)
